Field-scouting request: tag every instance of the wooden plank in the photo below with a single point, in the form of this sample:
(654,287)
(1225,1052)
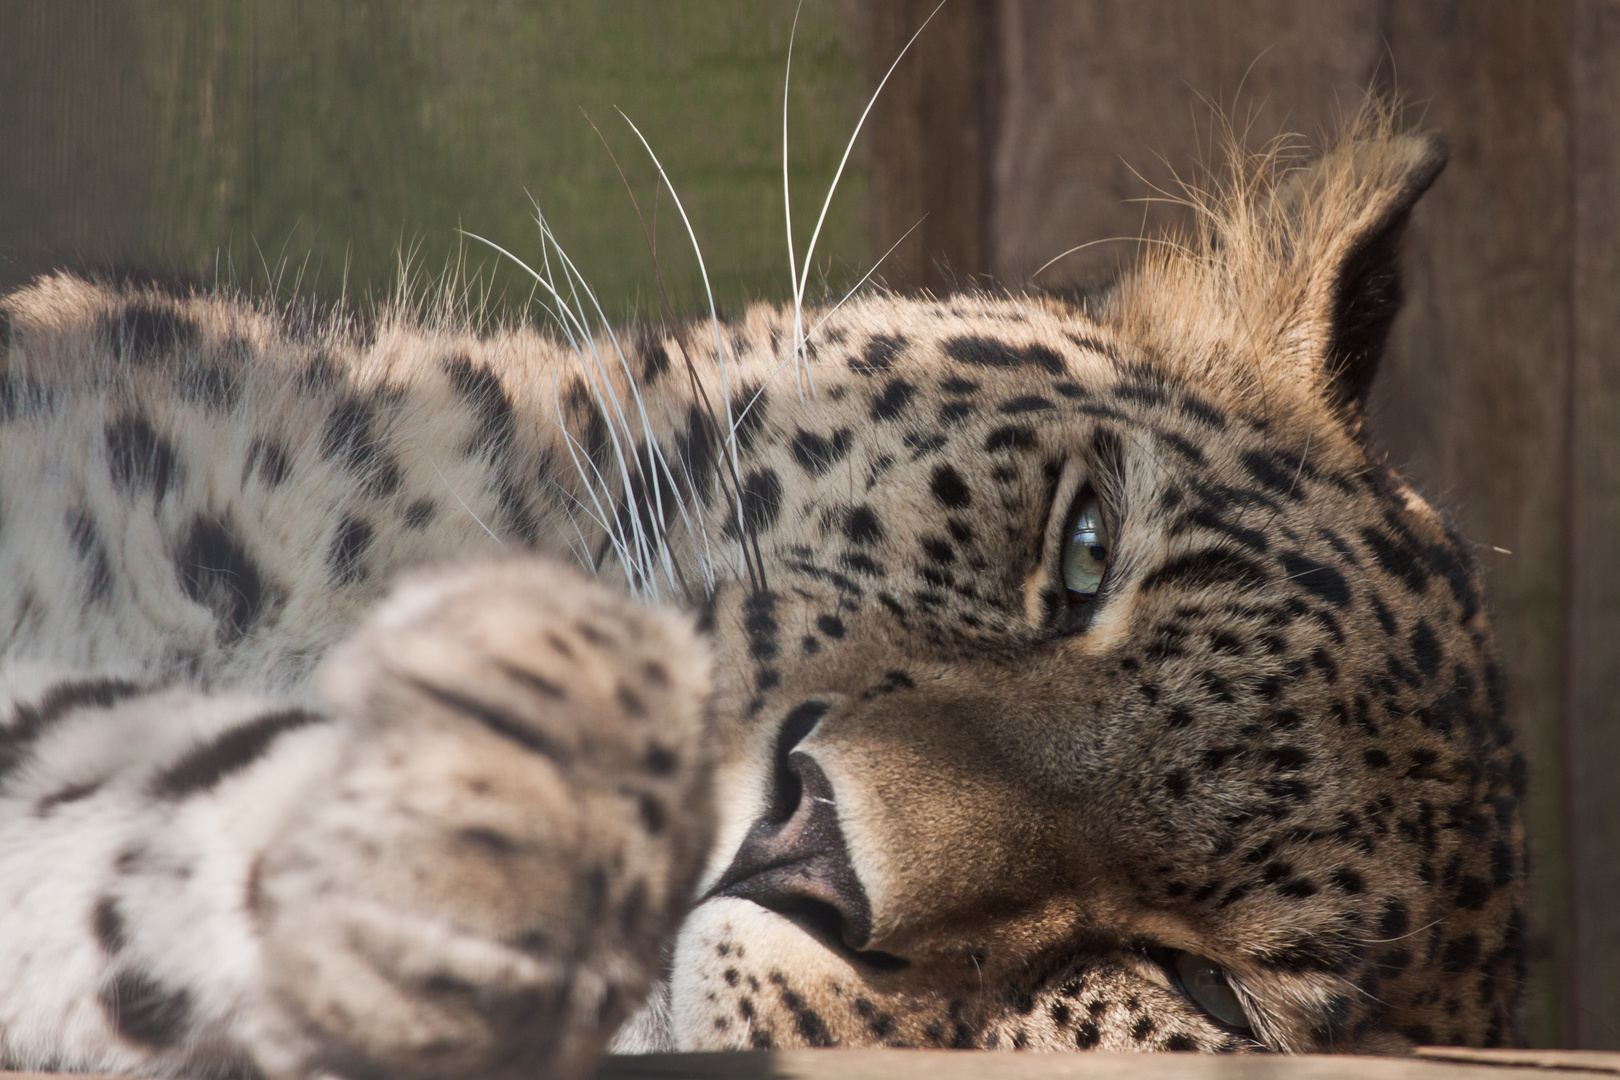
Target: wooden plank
(1593,760)
(1576,1060)
(76,136)
(187,136)
(956,1065)
(741,1065)
(960,1065)
(1473,397)
(927,141)
(989,1065)
(1435,1063)
(1474,394)
(1102,104)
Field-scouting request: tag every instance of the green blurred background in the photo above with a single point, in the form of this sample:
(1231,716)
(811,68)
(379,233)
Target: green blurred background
(304,145)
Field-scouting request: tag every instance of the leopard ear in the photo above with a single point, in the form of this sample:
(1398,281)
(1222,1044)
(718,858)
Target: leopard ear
(1291,285)
(1346,216)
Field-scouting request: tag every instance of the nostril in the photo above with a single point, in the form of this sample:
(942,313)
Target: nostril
(787,789)
(794,860)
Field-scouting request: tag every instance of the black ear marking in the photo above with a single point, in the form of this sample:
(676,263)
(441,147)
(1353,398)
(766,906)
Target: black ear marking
(1368,293)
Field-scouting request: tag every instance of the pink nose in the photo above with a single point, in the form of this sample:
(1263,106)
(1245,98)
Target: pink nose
(794,860)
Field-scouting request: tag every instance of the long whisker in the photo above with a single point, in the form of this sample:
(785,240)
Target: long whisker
(849,147)
(607,522)
(463,502)
(825,316)
(753,567)
(650,237)
(1105,240)
(641,570)
(864,279)
(653,448)
(787,202)
(571,322)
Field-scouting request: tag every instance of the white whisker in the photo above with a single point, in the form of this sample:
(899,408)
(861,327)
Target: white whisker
(602,389)
(827,315)
(574,329)
(569,506)
(574,324)
(719,347)
(607,522)
(864,279)
(787,209)
(849,147)
(457,496)
(654,450)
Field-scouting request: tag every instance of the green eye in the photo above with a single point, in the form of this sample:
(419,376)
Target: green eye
(1086,551)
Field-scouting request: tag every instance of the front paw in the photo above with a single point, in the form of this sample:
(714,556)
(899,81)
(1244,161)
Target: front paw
(515,829)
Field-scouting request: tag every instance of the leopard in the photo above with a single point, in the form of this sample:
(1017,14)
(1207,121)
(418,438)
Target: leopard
(406,695)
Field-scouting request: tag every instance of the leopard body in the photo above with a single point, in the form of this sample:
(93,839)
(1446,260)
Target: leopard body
(319,760)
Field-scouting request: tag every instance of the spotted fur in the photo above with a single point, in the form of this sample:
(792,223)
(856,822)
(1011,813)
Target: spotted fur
(277,796)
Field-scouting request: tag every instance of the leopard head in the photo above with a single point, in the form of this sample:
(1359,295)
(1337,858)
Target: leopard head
(1093,685)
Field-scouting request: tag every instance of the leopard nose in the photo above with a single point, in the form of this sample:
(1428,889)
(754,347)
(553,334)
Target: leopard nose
(794,860)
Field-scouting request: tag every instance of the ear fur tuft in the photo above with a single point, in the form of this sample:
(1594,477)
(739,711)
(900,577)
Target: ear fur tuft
(1292,282)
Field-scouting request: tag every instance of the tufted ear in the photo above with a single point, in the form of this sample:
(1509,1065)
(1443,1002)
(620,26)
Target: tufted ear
(1347,215)
(1291,285)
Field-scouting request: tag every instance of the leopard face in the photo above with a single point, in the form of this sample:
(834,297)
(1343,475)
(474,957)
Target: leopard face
(1093,686)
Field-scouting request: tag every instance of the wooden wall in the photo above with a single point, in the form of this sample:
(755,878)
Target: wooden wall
(1501,395)
(305,143)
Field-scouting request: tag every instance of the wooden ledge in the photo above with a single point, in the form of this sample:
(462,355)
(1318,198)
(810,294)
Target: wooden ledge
(1575,1060)
(1427,1063)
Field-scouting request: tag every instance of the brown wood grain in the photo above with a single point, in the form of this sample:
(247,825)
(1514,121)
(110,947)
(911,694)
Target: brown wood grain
(1474,395)
(1573,1060)
(1099,105)
(989,1065)
(1593,700)
(1104,105)
(75,137)
(968,1065)
(928,141)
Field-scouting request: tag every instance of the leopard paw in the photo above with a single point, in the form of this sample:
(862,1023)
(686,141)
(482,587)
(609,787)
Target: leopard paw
(514,829)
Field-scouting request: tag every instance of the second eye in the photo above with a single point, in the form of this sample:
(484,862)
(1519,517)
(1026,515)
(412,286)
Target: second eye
(1086,550)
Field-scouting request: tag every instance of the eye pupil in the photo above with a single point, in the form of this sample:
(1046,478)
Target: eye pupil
(1099,552)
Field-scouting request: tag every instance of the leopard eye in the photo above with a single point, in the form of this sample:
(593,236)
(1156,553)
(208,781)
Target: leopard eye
(1205,982)
(1086,550)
